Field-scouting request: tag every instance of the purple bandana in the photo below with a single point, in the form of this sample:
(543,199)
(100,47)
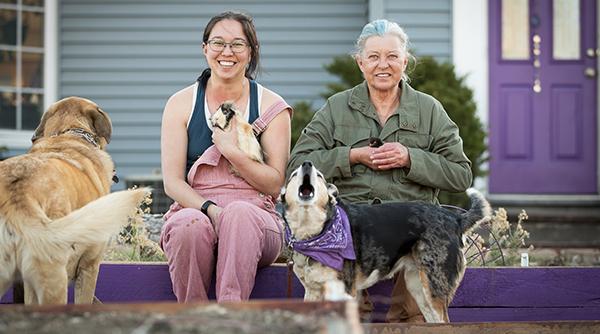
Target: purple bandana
(330,247)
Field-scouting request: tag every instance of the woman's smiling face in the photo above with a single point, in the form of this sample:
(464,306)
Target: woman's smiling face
(227,64)
(382,62)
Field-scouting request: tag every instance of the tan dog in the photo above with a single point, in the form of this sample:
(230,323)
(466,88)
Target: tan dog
(353,246)
(55,219)
(247,141)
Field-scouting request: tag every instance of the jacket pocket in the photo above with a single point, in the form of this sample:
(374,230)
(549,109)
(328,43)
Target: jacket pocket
(412,139)
(352,136)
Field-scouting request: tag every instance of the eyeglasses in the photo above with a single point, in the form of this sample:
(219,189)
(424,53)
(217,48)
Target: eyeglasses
(218,45)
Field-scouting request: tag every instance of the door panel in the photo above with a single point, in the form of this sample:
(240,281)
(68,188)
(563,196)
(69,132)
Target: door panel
(567,123)
(543,104)
(516,110)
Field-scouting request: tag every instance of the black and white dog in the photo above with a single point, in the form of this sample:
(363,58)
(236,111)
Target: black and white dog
(354,246)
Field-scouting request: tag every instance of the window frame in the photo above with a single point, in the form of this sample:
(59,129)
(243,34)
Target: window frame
(21,139)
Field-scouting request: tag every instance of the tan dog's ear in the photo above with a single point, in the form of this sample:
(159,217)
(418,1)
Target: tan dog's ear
(102,125)
(332,190)
(39,131)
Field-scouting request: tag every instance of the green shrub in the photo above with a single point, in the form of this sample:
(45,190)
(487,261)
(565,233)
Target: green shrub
(303,113)
(347,70)
(433,78)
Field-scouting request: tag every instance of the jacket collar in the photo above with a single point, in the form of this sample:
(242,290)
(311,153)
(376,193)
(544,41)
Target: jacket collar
(406,117)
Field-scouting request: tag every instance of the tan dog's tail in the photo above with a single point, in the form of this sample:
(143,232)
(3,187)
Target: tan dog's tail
(94,223)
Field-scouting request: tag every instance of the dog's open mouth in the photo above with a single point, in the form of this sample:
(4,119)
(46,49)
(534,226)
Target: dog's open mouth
(306,191)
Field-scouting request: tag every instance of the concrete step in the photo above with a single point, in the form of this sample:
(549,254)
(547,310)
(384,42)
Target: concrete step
(549,327)
(556,224)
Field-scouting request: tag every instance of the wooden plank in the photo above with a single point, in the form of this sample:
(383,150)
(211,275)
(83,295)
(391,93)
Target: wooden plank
(488,328)
(486,294)
(529,287)
(477,314)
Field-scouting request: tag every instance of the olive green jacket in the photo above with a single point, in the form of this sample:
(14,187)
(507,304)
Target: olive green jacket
(420,123)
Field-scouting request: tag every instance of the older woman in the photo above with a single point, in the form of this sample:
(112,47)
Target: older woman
(422,151)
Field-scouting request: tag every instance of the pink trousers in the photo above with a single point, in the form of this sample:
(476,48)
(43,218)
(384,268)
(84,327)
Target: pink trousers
(248,238)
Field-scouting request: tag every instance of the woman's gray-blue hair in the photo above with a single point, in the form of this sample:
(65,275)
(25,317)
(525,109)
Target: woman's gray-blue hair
(379,28)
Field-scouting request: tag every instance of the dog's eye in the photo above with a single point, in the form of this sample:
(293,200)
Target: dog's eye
(293,174)
(319,175)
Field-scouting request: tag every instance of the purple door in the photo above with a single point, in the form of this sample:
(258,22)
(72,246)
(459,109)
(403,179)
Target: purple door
(543,105)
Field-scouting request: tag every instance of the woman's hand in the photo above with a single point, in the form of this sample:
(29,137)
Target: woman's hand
(226,141)
(362,155)
(389,156)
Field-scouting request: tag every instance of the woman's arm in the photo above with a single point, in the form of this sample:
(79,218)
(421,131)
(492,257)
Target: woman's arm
(446,166)
(173,144)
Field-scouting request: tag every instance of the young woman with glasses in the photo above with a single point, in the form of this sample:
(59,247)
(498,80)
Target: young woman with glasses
(221,220)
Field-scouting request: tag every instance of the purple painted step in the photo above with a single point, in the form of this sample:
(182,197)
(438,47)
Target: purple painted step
(486,294)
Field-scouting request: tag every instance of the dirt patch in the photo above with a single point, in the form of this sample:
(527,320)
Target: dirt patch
(207,319)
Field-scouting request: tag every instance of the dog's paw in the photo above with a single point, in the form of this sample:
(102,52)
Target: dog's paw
(335,291)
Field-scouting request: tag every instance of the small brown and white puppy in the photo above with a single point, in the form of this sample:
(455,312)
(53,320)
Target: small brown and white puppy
(246,139)
(56,214)
(423,240)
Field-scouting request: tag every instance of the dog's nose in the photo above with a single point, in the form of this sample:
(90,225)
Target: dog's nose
(307,164)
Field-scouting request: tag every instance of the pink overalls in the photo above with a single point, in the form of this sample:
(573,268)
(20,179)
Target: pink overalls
(249,230)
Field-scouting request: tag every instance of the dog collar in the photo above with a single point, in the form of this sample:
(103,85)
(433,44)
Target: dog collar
(332,246)
(90,138)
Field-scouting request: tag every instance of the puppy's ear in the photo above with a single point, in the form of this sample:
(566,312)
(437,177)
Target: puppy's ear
(228,110)
(332,190)
(39,131)
(102,125)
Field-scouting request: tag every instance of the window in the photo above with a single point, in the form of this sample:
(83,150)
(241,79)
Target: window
(21,63)
(515,29)
(565,27)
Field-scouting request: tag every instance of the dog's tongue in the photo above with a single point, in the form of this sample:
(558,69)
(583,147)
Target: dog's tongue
(306,189)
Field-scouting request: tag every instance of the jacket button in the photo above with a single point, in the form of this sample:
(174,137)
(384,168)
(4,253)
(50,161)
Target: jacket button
(261,194)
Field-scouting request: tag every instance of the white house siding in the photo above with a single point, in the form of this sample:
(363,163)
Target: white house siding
(428,24)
